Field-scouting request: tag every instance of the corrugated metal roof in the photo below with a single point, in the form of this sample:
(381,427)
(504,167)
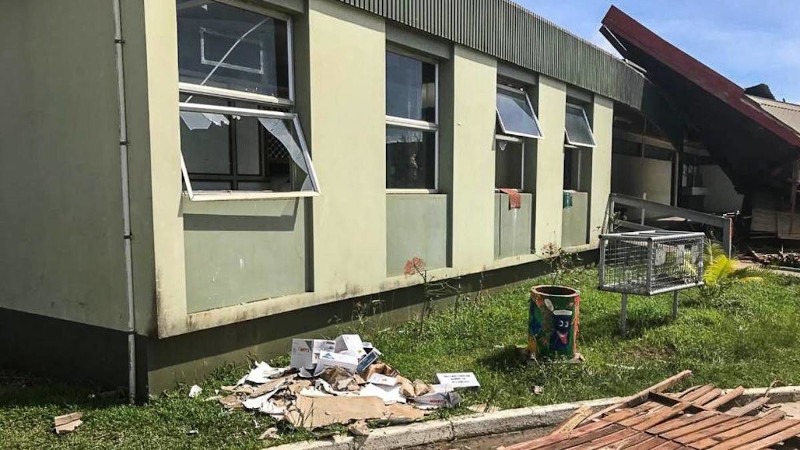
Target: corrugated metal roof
(753,147)
(788,113)
(514,34)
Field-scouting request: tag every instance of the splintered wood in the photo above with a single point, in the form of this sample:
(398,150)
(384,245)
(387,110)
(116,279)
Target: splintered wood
(699,418)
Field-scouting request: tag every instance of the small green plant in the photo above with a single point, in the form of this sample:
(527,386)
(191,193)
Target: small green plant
(723,272)
(562,264)
(431,289)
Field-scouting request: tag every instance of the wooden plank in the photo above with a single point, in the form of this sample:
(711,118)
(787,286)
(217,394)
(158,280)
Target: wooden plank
(774,412)
(632,441)
(711,431)
(686,391)
(725,398)
(697,393)
(625,414)
(641,396)
(756,435)
(667,446)
(681,421)
(661,416)
(748,408)
(710,422)
(544,441)
(606,440)
(648,444)
(714,393)
(774,439)
(574,420)
(589,437)
(732,433)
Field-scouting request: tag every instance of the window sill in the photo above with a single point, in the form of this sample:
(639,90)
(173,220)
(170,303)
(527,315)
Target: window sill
(214,196)
(412,191)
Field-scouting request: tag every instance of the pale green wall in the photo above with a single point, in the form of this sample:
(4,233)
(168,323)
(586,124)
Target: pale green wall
(416,225)
(61,245)
(242,257)
(602,126)
(552,98)
(62,187)
(512,227)
(575,220)
(474,86)
(347,100)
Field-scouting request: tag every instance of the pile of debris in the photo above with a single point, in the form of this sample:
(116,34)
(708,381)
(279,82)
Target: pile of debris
(780,259)
(340,382)
(701,417)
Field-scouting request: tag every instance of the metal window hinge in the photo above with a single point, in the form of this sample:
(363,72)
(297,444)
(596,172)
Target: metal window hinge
(119,41)
(124,142)
(128,236)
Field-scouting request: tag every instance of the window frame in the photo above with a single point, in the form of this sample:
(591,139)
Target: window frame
(260,99)
(588,125)
(419,125)
(512,140)
(520,92)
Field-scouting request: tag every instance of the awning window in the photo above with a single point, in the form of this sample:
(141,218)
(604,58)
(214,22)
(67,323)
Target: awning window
(515,113)
(579,132)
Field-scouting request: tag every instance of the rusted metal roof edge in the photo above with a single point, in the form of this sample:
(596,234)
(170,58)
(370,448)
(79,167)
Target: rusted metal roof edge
(619,24)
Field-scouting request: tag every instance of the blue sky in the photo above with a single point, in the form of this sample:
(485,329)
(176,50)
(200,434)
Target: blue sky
(747,41)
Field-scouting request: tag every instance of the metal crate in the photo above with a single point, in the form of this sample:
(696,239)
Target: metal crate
(650,262)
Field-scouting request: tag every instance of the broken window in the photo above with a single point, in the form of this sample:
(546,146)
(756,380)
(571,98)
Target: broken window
(578,130)
(238,132)
(412,130)
(515,113)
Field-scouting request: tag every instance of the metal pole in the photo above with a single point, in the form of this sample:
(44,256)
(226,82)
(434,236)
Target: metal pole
(727,232)
(674,305)
(623,316)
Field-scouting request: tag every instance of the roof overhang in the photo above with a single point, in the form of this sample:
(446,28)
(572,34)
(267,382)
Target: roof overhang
(753,148)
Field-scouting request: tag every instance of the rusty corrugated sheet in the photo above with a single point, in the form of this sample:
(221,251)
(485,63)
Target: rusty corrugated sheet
(511,33)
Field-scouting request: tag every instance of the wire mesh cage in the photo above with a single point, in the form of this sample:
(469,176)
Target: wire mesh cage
(650,262)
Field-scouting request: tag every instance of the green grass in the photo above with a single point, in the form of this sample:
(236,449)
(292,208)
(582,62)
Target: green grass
(747,336)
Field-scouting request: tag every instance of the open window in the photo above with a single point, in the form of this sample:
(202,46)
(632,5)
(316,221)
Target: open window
(412,128)
(578,141)
(516,123)
(515,113)
(578,130)
(239,135)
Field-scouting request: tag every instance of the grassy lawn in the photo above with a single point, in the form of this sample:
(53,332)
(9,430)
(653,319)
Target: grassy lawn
(747,336)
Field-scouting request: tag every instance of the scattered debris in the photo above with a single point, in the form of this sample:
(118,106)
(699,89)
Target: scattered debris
(310,412)
(195,391)
(458,380)
(483,408)
(359,428)
(67,423)
(538,390)
(270,433)
(340,381)
(192,433)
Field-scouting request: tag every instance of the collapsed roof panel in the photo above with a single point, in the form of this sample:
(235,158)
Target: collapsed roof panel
(754,148)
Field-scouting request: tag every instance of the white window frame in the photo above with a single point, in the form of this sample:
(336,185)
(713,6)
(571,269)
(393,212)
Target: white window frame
(231,94)
(422,125)
(524,93)
(512,140)
(588,124)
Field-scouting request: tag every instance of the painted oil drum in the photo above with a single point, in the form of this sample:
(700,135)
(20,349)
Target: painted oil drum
(553,322)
